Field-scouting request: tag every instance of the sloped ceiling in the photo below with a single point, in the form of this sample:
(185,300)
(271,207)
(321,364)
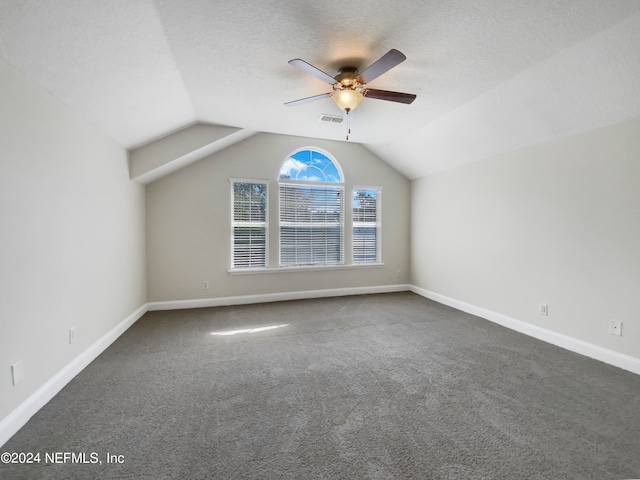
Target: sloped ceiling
(491,76)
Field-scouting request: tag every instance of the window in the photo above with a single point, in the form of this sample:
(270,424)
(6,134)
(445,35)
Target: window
(311,210)
(366,225)
(249,223)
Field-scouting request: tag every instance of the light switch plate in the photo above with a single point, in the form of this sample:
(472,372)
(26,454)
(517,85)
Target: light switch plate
(17,372)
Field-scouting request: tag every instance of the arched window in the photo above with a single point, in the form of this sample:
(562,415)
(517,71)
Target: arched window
(310,166)
(311,193)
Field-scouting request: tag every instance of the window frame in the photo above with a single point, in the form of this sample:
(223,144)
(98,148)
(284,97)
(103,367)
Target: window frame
(315,149)
(377,224)
(329,183)
(249,224)
(338,186)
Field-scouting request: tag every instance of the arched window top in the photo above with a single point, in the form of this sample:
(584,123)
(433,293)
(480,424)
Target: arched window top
(311,165)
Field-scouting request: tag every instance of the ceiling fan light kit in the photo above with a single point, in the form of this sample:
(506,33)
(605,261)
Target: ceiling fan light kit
(347,100)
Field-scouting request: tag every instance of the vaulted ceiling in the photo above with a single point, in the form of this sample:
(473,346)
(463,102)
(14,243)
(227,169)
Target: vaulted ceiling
(490,76)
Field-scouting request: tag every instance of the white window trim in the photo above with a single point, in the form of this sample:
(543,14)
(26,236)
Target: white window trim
(233,180)
(303,268)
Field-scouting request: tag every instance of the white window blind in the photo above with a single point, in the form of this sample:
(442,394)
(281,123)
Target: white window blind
(366,225)
(249,224)
(311,224)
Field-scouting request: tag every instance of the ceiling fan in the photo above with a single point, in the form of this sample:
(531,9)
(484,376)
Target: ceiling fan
(350,86)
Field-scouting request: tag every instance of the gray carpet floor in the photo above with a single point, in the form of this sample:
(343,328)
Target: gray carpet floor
(389,386)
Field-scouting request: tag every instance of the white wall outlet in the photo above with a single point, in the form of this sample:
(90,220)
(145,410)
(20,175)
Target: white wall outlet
(72,335)
(615,327)
(17,373)
(543,309)
(398,274)
(205,285)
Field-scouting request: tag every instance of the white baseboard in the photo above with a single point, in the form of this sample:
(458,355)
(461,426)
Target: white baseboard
(605,355)
(21,415)
(274,297)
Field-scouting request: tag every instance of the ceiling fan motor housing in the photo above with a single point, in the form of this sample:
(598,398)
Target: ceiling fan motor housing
(347,78)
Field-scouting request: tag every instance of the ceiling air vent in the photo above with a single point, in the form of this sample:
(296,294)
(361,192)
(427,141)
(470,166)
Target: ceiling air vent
(330,118)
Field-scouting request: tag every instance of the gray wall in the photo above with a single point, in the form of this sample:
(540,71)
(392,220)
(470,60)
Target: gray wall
(189,232)
(557,223)
(72,241)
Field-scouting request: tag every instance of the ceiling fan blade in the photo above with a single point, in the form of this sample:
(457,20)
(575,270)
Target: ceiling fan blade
(389,96)
(389,60)
(311,70)
(307,100)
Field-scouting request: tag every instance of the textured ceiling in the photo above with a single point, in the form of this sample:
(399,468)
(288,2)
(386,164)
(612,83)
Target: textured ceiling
(491,76)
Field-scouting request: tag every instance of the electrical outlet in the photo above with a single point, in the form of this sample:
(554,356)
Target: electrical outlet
(615,327)
(205,285)
(17,373)
(398,274)
(72,335)
(543,309)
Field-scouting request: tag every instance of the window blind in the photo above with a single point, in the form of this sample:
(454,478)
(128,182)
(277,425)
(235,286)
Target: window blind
(366,225)
(249,224)
(311,224)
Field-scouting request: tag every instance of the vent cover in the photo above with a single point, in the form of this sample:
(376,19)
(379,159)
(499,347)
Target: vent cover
(330,118)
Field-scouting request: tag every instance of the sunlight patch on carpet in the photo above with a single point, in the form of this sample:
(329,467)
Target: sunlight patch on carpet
(249,330)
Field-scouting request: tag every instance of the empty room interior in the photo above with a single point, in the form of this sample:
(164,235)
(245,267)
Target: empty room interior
(320,240)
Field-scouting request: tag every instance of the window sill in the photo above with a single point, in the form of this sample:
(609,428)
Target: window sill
(303,268)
